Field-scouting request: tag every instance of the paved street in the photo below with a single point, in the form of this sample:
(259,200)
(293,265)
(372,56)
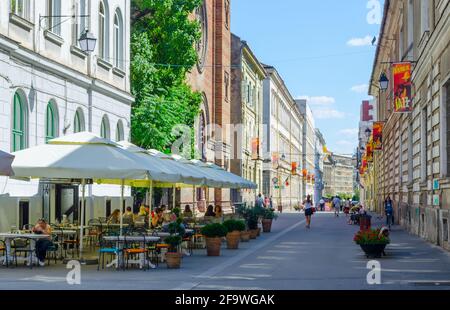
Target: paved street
(291,257)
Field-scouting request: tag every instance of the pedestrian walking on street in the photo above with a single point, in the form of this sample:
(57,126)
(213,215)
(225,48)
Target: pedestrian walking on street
(309,211)
(259,203)
(389,211)
(337,206)
(322,205)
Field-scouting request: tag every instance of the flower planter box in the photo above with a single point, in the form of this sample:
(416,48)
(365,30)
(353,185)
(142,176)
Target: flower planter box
(173,260)
(233,239)
(245,236)
(267,225)
(373,250)
(253,233)
(213,246)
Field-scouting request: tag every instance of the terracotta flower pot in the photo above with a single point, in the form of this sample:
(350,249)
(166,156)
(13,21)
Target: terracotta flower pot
(173,260)
(267,225)
(245,236)
(213,246)
(233,239)
(253,233)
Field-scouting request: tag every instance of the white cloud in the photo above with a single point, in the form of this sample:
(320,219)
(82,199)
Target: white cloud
(318,100)
(349,132)
(328,113)
(345,143)
(361,89)
(366,41)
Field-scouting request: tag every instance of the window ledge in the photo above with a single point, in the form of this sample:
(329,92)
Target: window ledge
(104,64)
(21,22)
(53,37)
(75,50)
(119,72)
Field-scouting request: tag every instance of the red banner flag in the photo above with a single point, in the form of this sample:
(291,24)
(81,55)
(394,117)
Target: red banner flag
(294,168)
(402,87)
(255,148)
(378,136)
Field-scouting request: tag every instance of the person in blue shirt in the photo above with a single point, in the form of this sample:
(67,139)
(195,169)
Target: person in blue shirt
(389,211)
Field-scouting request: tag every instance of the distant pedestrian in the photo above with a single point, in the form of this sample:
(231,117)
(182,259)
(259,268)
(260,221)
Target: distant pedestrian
(309,211)
(348,205)
(259,203)
(389,211)
(337,205)
(267,202)
(322,205)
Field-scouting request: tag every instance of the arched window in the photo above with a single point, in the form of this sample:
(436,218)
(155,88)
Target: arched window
(103,31)
(78,122)
(118,40)
(18,124)
(51,123)
(21,8)
(120,136)
(104,128)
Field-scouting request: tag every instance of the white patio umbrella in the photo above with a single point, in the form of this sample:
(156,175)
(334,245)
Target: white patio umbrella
(5,163)
(239,181)
(80,156)
(163,172)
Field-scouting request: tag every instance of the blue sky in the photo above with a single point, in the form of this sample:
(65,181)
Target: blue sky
(322,50)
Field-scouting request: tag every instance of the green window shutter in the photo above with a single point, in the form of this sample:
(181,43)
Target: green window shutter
(18,130)
(50,131)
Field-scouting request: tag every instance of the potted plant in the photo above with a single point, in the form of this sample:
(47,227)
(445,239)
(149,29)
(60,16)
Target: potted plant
(234,228)
(177,231)
(252,224)
(268,217)
(173,256)
(372,242)
(213,234)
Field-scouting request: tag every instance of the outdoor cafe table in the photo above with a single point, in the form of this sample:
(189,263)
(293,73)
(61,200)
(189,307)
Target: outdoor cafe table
(120,240)
(8,237)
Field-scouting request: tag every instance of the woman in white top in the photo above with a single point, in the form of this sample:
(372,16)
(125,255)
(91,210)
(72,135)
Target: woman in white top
(308,210)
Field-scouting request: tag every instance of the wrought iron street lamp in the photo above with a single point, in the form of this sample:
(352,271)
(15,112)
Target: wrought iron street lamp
(384,82)
(87,41)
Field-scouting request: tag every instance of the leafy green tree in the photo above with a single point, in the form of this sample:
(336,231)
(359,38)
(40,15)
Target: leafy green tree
(163,37)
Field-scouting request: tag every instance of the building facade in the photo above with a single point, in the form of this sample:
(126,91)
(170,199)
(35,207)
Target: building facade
(49,87)
(212,78)
(309,147)
(283,136)
(320,153)
(247,76)
(413,167)
(338,175)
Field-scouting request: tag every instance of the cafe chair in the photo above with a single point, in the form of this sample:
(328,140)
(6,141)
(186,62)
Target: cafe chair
(93,233)
(4,252)
(135,249)
(22,246)
(52,250)
(108,248)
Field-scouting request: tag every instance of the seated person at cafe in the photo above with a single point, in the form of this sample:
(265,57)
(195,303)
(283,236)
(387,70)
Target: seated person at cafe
(157,218)
(128,217)
(114,218)
(142,216)
(187,211)
(218,211)
(42,245)
(210,211)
